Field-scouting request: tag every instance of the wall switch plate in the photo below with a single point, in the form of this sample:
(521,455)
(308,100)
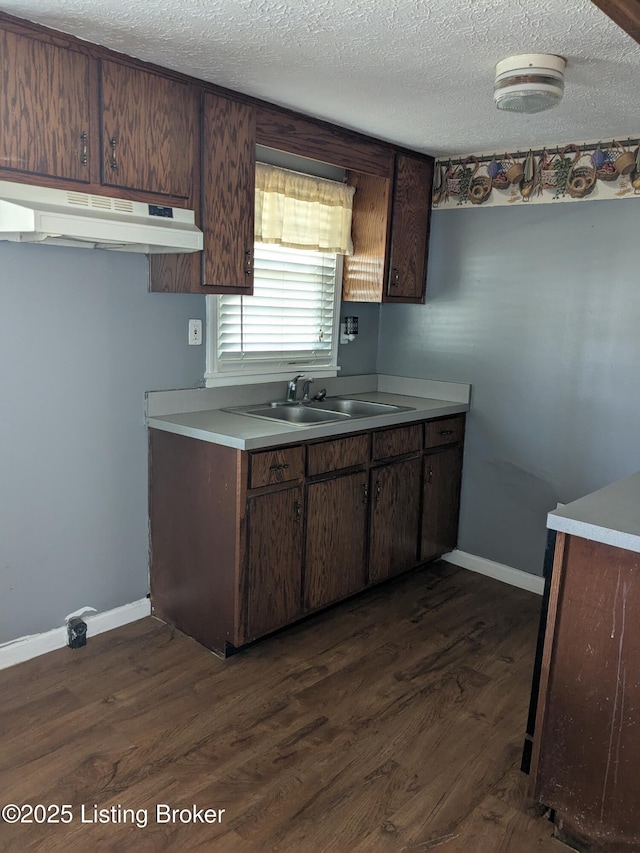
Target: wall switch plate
(195,332)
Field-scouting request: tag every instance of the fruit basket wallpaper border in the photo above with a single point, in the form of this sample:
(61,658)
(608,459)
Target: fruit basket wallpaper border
(574,172)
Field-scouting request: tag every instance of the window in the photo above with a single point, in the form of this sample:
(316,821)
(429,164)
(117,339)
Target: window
(303,225)
(289,321)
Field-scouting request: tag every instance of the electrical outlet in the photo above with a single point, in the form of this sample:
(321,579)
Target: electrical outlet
(195,332)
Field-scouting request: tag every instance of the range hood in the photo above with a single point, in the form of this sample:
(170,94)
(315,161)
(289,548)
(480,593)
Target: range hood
(30,214)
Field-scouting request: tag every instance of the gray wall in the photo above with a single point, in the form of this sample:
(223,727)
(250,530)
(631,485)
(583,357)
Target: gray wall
(80,342)
(360,355)
(539,308)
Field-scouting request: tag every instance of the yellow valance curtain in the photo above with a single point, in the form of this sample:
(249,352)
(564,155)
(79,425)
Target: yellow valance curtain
(302,211)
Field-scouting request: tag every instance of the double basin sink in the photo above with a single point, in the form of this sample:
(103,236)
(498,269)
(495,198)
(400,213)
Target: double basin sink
(318,411)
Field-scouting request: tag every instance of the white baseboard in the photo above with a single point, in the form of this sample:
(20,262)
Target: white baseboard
(25,648)
(498,571)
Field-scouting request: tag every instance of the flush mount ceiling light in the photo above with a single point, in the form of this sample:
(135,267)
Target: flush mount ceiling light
(529,83)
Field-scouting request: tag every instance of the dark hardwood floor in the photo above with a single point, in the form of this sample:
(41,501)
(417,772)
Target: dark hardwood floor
(392,722)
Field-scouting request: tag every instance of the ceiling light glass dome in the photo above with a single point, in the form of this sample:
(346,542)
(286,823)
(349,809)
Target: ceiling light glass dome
(529,83)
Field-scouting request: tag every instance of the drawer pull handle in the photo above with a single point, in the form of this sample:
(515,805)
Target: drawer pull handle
(298,508)
(114,163)
(279,467)
(447,432)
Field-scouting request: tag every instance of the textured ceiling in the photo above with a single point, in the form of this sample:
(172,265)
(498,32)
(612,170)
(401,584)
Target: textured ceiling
(418,72)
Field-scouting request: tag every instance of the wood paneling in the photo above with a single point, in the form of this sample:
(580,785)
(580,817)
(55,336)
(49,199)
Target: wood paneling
(625,13)
(444,431)
(410,229)
(45,113)
(336,516)
(399,716)
(395,513)
(397,441)
(364,271)
(149,128)
(441,502)
(274,560)
(340,453)
(321,141)
(228,194)
(270,467)
(194,562)
(588,750)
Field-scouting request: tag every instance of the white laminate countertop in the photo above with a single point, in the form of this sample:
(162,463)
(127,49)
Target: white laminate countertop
(248,433)
(611,515)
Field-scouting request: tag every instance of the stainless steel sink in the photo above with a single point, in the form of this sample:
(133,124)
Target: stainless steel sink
(357,408)
(317,411)
(295,414)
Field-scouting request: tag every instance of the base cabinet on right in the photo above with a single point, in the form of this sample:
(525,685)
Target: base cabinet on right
(586,748)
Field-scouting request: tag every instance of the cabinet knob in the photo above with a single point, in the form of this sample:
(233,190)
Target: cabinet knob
(84,153)
(114,162)
(248,262)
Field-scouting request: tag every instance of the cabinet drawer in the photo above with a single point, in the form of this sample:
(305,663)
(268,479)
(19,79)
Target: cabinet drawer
(397,441)
(270,467)
(334,455)
(445,431)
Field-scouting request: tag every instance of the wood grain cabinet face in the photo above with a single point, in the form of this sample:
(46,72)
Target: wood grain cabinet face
(409,229)
(395,514)
(274,561)
(149,129)
(270,467)
(45,97)
(336,520)
(441,502)
(228,194)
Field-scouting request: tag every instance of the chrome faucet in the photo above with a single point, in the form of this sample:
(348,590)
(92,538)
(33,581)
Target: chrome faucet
(305,390)
(292,388)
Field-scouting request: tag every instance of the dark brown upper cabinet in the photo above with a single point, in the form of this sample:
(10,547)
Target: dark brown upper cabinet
(410,222)
(228,194)
(45,109)
(149,130)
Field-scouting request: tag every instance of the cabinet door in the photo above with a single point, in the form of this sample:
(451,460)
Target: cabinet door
(149,130)
(44,108)
(336,532)
(395,512)
(228,194)
(410,229)
(441,502)
(274,561)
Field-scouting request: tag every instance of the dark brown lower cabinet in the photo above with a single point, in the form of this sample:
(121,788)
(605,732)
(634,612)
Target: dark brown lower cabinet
(395,514)
(244,543)
(274,560)
(586,749)
(336,517)
(441,502)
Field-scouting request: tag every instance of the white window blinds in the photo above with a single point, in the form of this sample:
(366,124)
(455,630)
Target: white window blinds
(288,321)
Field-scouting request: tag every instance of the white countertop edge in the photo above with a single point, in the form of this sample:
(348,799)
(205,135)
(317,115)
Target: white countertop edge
(610,515)
(246,433)
(605,535)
